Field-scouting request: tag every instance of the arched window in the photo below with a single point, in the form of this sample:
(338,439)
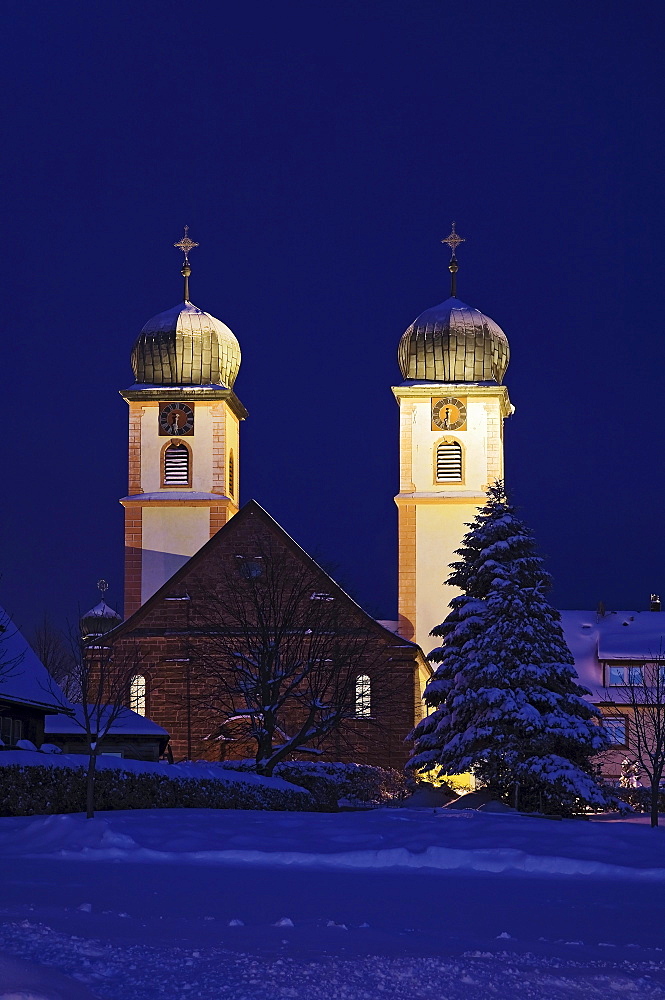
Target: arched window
(449,462)
(137,688)
(232,482)
(363,686)
(177,463)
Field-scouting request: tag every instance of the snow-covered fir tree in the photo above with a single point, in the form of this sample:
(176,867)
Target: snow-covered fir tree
(506,699)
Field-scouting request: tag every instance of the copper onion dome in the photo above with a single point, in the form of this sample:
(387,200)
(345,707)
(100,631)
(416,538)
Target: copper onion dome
(186,346)
(453,342)
(99,620)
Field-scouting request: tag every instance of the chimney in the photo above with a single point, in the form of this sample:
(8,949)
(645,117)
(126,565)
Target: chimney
(655,603)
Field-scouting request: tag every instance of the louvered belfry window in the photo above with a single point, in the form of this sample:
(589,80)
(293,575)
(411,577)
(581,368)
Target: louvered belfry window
(176,465)
(449,462)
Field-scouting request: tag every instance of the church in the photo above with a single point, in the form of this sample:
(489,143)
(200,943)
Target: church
(185,531)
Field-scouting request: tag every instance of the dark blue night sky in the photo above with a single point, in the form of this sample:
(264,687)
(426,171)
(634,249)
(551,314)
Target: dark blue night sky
(319,152)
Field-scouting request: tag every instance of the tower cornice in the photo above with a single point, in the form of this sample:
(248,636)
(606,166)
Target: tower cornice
(463,498)
(186,393)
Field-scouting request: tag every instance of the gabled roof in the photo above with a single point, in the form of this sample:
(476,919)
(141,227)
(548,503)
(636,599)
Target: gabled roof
(249,510)
(24,680)
(127,723)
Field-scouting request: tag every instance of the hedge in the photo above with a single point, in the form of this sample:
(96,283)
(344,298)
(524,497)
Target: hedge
(37,790)
(360,784)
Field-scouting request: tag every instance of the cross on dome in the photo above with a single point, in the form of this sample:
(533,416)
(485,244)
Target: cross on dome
(185,244)
(454,240)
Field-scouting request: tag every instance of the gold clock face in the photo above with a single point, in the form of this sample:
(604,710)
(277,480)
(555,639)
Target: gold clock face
(176,418)
(448,414)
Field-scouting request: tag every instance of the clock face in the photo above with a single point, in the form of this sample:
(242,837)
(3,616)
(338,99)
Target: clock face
(448,414)
(176,418)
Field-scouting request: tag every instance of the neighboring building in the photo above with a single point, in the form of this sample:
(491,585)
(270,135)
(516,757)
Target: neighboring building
(28,693)
(173,631)
(452,408)
(131,735)
(610,649)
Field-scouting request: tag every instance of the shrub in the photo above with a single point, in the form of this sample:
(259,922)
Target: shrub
(36,790)
(640,798)
(361,784)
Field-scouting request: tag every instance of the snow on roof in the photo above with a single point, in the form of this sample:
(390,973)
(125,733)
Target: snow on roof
(392,626)
(632,635)
(581,633)
(128,723)
(23,677)
(102,610)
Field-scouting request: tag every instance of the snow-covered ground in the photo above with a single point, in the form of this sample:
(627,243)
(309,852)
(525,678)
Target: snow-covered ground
(400,903)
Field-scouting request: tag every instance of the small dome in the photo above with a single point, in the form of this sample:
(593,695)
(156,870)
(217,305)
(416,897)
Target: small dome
(186,346)
(99,620)
(454,342)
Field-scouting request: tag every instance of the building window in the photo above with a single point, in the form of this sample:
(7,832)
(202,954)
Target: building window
(11,730)
(449,462)
(137,694)
(363,686)
(177,465)
(232,482)
(624,676)
(616,727)
(250,569)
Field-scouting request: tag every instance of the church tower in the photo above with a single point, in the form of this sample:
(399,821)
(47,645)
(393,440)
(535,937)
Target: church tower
(183,441)
(452,408)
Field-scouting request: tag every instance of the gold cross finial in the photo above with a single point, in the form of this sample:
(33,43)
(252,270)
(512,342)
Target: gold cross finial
(185,244)
(454,240)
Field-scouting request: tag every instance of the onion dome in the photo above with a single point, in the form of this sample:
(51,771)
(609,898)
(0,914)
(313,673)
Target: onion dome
(186,346)
(453,342)
(99,620)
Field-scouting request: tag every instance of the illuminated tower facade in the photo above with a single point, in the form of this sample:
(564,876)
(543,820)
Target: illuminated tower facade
(184,461)
(452,409)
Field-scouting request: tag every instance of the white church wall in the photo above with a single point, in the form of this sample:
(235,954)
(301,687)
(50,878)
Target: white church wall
(439,530)
(170,536)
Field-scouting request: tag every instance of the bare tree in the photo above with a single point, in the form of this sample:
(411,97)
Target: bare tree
(99,689)
(11,653)
(294,662)
(51,646)
(639,703)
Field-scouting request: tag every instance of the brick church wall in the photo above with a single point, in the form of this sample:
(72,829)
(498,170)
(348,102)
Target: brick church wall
(171,644)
